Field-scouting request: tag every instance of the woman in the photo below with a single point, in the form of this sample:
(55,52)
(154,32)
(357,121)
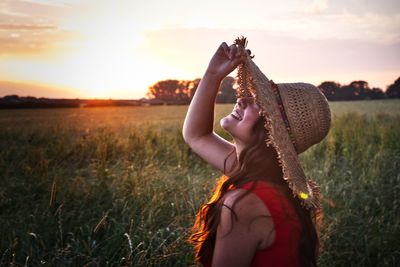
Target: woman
(261,211)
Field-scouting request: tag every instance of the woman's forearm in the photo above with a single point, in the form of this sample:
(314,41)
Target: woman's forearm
(199,119)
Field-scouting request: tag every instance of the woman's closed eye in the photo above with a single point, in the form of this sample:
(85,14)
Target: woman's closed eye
(245,101)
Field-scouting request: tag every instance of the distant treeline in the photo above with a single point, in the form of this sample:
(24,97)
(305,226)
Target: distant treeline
(15,101)
(180,92)
(358,90)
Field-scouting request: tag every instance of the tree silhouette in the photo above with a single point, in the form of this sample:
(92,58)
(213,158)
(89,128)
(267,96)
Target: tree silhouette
(193,87)
(375,93)
(170,91)
(182,91)
(356,90)
(393,91)
(227,93)
(330,90)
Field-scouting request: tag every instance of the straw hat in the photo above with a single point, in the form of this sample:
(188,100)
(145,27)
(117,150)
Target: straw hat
(297,117)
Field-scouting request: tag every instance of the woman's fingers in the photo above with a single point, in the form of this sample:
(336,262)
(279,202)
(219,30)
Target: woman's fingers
(225,48)
(233,51)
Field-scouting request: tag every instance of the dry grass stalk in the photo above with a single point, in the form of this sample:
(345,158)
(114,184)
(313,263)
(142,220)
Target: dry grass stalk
(53,193)
(100,224)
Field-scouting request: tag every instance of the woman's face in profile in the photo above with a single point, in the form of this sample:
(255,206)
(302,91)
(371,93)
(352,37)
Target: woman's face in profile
(240,122)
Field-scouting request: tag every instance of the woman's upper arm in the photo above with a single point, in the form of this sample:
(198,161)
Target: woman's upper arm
(214,149)
(241,230)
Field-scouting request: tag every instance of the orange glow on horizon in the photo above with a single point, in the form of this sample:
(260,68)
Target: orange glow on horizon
(98,49)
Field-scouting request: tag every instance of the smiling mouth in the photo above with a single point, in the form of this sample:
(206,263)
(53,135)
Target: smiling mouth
(236,115)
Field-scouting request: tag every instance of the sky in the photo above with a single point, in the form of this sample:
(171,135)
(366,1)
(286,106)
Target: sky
(117,49)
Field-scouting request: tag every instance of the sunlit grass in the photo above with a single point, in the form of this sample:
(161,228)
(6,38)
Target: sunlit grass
(118,186)
(357,166)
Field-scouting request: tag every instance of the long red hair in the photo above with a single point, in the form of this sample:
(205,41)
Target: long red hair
(251,165)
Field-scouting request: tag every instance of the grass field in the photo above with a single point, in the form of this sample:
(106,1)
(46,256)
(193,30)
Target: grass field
(118,186)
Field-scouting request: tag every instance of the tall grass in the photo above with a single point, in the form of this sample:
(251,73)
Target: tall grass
(357,167)
(98,197)
(104,187)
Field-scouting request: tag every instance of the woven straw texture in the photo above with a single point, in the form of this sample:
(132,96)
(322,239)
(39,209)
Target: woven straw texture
(308,115)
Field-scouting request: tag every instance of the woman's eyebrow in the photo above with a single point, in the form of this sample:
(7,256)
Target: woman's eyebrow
(249,99)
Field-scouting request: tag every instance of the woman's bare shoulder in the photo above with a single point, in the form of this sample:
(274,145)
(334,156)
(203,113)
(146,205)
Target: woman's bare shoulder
(244,209)
(245,204)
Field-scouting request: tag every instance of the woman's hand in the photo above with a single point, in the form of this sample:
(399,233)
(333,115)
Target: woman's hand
(225,60)
(198,128)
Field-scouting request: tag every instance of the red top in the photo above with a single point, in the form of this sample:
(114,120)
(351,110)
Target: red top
(284,250)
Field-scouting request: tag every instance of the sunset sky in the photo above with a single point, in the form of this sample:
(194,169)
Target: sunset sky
(117,49)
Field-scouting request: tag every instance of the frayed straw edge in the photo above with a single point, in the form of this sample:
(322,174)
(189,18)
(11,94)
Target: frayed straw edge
(312,202)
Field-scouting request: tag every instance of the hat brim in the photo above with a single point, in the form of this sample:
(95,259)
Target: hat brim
(251,77)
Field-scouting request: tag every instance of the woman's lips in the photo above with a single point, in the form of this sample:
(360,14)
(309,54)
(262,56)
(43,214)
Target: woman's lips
(236,115)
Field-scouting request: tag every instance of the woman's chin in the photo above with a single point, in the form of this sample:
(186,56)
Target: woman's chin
(228,123)
(225,123)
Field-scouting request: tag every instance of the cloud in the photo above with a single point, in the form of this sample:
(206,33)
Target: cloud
(31,11)
(284,58)
(18,27)
(30,27)
(368,20)
(317,6)
(327,24)
(30,39)
(358,7)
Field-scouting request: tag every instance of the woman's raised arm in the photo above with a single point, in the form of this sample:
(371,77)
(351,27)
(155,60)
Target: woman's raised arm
(198,126)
